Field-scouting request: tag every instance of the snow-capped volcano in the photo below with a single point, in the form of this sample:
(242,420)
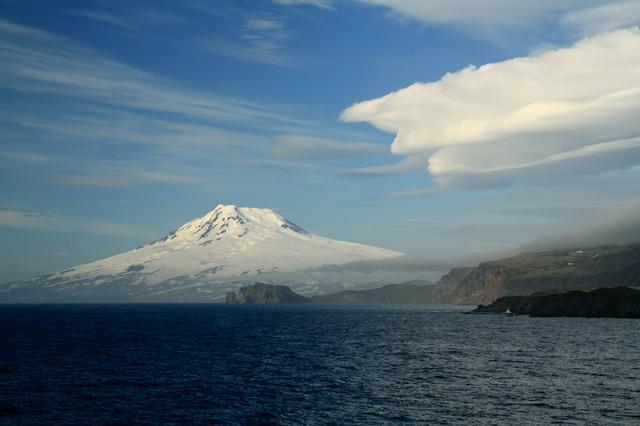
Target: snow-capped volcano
(228,244)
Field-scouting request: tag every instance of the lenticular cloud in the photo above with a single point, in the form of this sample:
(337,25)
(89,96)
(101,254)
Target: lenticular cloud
(574,109)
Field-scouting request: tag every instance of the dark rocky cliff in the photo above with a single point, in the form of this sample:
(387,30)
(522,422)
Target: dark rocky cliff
(265,294)
(618,302)
(529,273)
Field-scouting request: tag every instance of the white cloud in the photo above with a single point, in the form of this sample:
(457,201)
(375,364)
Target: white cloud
(36,61)
(422,192)
(81,171)
(324,4)
(261,40)
(570,110)
(490,17)
(107,18)
(120,176)
(603,17)
(103,102)
(102,124)
(33,220)
(134,21)
(407,165)
(309,148)
(495,12)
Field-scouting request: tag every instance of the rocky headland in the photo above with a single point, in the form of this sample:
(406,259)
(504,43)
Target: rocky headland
(618,302)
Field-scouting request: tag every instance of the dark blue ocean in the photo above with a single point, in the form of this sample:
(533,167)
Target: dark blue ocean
(204,364)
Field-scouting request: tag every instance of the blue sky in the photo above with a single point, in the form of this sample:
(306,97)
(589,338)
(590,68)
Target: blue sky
(120,121)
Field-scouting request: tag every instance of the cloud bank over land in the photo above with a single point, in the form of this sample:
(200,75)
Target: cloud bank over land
(617,224)
(429,265)
(572,110)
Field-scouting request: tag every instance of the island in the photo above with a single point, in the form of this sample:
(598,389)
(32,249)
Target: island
(264,294)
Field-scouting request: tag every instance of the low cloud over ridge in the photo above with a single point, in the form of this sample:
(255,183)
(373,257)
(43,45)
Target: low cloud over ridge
(617,224)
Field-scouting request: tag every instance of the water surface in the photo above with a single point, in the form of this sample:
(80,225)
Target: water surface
(201,364)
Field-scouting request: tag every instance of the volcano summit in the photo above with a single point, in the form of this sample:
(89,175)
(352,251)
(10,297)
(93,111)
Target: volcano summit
(201,260)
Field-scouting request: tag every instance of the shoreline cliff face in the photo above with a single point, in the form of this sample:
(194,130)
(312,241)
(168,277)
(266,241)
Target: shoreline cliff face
(618,302)
(529,273)
(264,294)
(555,271)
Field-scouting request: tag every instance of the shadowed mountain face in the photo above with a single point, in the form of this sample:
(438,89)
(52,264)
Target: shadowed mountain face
(528,273)
(410,293)
(619,302)
(200,261)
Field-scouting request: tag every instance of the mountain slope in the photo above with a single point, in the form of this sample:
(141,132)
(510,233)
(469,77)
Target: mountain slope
(196,262)
(409,293)
(528,273)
